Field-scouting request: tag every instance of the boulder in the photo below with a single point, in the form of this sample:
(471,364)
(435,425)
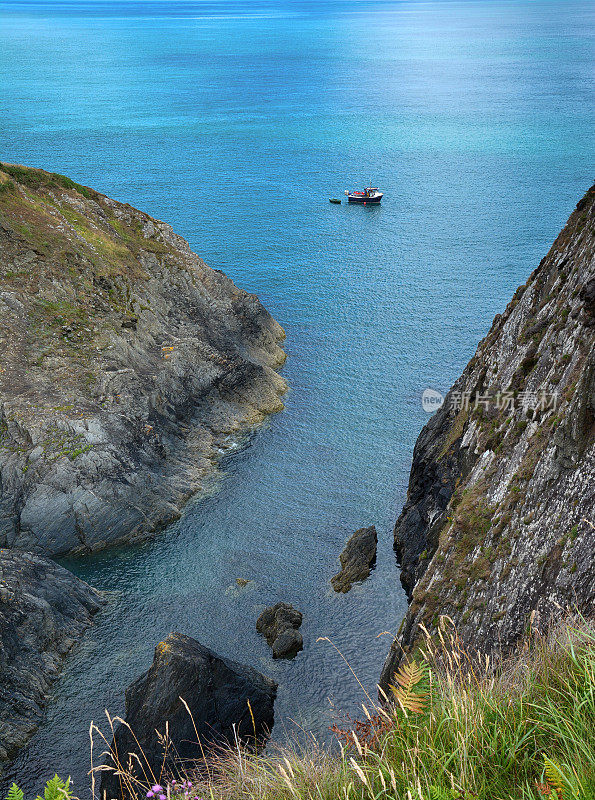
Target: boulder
(357,559)
(225,699)
(279,625)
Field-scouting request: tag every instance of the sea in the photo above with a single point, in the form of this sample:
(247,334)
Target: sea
(236,121)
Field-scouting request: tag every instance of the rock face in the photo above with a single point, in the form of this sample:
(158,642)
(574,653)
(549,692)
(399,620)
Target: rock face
(502,487)
(217,692)
(44,610)
(126,365)
(279,625)
(356,559)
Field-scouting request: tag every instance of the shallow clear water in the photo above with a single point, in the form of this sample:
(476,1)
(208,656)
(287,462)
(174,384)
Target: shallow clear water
(235,122)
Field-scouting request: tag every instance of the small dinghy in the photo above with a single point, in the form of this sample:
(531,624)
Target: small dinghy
(335,200)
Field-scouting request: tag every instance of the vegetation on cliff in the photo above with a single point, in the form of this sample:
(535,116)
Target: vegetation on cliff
(460,728)
(126,363)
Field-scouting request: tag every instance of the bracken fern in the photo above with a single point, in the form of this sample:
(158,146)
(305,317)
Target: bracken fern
(411,692)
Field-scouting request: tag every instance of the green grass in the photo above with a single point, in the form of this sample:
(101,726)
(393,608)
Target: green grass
(35,179)
(461,728)
(480,735)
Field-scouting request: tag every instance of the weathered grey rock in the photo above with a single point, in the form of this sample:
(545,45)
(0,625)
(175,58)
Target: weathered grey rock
(357,559)
(226,699)
(288,644)
(279,625)
(495,530)
(127,364)
(44,610)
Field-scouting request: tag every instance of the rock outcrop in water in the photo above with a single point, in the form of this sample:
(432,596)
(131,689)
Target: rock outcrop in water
(126,364)
(357,559)
(279,625)
(43,612)
(498,529)
(225,700)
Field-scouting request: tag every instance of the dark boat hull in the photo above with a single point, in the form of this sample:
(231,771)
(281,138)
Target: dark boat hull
(371,201)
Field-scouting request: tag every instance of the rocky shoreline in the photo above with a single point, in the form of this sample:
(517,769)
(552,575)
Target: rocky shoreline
(127,364)
(44,610)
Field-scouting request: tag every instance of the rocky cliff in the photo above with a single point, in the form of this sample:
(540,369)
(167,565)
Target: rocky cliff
(125,362)
(497,527)
(43,612)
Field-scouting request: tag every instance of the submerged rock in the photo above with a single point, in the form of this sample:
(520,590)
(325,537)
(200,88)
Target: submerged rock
(497,529)
(225,700)
(44,610)
(126,364)
(357,559)
(279,625)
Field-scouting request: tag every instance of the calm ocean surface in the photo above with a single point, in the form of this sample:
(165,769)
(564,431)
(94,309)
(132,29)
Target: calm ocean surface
(235,121)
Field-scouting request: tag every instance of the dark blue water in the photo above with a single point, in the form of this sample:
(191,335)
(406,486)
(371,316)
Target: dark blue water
(236,121)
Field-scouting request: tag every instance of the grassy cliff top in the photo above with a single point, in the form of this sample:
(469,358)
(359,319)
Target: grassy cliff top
(55,229)
(72,263)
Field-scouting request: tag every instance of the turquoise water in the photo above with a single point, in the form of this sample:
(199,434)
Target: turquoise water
(475,118)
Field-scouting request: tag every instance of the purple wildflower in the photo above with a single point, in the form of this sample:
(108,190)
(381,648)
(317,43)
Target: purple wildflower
(156,788)
(150,794)
(161,797)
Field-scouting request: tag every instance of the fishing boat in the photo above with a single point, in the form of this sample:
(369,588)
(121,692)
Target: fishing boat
(370,195)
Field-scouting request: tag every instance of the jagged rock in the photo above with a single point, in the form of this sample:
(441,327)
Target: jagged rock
(126,363)
(44,610)
(357,559)
(495,530)
(279,625)
(226,699)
